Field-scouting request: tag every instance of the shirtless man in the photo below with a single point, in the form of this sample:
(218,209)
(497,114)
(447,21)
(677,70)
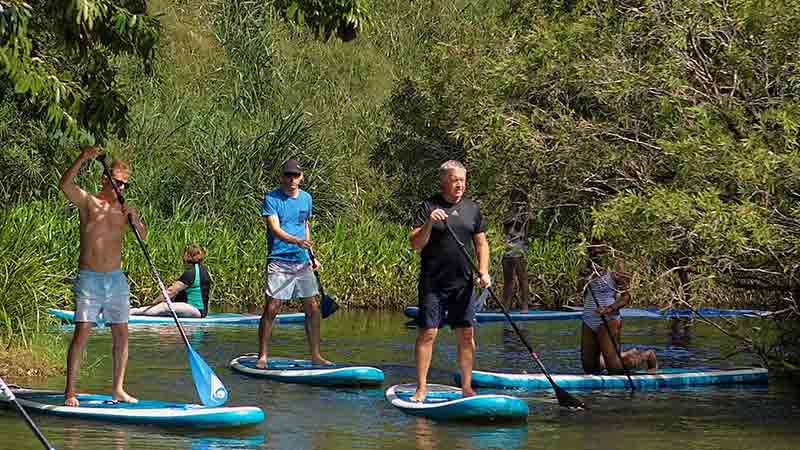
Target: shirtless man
(101,286)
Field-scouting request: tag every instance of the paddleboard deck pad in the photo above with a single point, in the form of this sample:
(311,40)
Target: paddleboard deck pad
(211,319)
(305,372)
(145,412)
(447,403)
(663,378)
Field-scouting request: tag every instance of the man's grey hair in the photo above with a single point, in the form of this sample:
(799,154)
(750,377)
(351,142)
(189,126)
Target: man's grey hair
(447,166)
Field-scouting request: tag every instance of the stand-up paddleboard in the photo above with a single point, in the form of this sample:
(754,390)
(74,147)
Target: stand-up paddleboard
(540,314)
(447,403)
(147,412)
(663,378)
(710,313)
(533,314)
(305,372)
(211,319)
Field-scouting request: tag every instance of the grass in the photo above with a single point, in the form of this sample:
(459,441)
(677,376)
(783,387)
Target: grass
(42,356)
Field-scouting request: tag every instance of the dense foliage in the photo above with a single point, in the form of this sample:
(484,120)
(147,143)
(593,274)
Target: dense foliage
(668,128)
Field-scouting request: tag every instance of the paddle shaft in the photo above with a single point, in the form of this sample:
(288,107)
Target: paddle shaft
(8,393)
(611,336)
(508,316)
(139,239)
(316,274)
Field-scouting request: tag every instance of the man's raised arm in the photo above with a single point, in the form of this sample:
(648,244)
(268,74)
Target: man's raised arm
(72,191)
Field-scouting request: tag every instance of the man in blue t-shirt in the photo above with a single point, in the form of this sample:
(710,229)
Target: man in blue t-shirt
(289,273)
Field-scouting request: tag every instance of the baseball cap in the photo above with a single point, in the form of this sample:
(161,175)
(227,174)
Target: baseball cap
(292,167)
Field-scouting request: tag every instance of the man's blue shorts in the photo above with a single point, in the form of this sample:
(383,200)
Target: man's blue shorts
(105,293)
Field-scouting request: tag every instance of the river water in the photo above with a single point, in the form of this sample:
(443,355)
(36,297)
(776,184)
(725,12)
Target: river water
(303,418)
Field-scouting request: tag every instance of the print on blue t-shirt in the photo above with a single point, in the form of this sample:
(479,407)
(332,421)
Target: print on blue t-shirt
(293,213)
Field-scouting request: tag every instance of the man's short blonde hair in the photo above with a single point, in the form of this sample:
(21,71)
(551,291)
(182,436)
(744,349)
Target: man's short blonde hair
(120,165)
(449,166)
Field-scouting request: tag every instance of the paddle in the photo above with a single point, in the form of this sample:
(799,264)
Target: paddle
(9,395)
(611,336)
(564,398)
(209,387)
(327,305)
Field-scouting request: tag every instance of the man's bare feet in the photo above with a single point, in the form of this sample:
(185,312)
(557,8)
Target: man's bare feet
(71,400)
(123,397)
(419,395)
(524,310)
(468,392)
(261,363)
(320,361)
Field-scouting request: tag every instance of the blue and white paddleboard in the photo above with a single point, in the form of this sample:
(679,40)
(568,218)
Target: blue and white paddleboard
(211,319)
(447,403)
(542,314)
(147,412)
(710,313)
(305,372)
(663,378)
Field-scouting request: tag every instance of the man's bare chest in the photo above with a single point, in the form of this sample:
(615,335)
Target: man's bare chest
(101,214)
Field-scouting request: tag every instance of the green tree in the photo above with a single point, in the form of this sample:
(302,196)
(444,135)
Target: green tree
(55,55)
(669,128)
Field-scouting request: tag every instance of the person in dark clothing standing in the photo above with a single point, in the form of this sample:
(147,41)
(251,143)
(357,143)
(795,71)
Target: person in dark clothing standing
(446,278)
(189,293)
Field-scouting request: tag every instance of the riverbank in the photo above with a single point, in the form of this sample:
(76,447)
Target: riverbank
(23,363)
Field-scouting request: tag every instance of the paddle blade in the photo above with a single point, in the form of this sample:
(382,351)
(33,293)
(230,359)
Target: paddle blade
(327,306)
(568,400)
(209,388)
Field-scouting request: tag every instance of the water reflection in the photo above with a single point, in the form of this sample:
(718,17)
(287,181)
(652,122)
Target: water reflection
(76,438)
(680,332)
(222,443)
(431,435)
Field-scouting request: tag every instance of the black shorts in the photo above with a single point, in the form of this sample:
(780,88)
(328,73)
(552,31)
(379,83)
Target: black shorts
(451,306)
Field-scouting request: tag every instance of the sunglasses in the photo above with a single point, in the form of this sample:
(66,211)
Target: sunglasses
(121,184)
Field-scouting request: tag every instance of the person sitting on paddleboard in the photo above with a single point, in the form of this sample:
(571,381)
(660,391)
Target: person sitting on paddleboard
(446,276)
(189,294)
(100,287)
(290,270)
(611,290)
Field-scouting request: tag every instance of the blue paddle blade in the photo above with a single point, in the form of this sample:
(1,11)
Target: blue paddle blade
(209,388)
(327,306)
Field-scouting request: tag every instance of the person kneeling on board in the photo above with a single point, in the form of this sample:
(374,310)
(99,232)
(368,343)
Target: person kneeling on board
(189,294)
(604,292)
